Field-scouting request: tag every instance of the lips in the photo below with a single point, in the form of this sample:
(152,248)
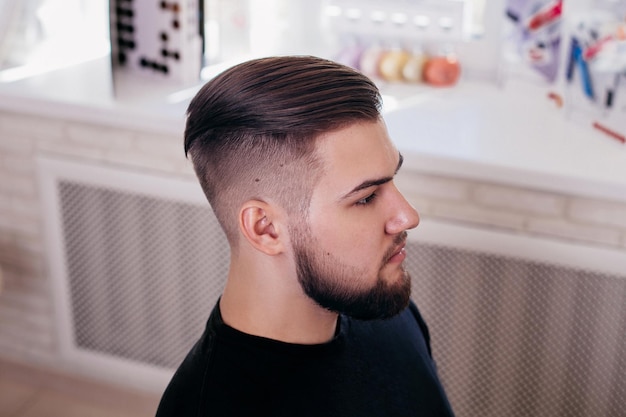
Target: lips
(398,254)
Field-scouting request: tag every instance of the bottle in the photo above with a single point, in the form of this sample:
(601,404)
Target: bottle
(414,67)
(350,53)
(369,64)
(391,64)
(443,69)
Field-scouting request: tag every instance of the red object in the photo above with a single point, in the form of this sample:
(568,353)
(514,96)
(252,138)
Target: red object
(592,50)
(557,99)
(613,134)
(441,71)
(546,15)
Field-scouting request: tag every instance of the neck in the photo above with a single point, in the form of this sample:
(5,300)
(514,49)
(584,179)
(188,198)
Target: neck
(264,300)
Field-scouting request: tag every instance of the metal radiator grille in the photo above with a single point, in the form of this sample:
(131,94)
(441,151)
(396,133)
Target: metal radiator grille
(514,337)
(144,272)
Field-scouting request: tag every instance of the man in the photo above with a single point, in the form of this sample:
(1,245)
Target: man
(315,318)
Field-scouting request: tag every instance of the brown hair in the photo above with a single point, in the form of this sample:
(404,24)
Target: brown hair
(251,130)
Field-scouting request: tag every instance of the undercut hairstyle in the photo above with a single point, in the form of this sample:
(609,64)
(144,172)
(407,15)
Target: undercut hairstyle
(251,130)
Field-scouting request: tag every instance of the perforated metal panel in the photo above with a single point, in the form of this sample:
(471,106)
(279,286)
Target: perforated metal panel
(144,272)
(513,337)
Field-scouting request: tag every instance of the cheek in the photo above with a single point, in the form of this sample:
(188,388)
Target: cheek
(354,242)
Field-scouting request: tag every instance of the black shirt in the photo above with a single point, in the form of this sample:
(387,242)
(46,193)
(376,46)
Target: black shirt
(370,368)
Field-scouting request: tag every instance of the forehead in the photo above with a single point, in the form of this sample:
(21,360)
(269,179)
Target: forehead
(357,153)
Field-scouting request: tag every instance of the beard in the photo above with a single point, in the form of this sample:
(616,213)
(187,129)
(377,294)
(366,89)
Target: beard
(335,286)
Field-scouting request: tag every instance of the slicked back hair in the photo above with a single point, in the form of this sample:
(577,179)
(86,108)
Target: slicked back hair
(251,130)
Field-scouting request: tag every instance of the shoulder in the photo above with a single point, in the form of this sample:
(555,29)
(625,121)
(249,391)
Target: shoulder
(412,308)
(185,391)
(408,326)
(412,324)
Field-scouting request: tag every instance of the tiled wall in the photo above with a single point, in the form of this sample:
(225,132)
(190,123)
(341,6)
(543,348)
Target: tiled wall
(27,327)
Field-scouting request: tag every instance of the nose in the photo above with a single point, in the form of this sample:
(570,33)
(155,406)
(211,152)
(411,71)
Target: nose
(404,216)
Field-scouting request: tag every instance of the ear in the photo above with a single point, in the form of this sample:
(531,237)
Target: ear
(260,224)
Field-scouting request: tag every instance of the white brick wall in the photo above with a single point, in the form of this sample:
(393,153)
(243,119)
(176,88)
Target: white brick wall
(598,213)
(27,329)
(517,200)
(533,212)
(559,227)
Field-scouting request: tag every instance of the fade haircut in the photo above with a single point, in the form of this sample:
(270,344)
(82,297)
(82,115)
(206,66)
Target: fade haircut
(251,130)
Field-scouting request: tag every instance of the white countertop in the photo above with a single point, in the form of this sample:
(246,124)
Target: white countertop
(86,92)
(513,135)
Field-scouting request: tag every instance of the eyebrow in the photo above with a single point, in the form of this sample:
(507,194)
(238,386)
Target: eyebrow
(374,182)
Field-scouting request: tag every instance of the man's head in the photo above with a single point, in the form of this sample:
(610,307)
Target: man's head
(304,136)
(251,131)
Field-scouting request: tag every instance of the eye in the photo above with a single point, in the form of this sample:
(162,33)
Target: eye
(367,200)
